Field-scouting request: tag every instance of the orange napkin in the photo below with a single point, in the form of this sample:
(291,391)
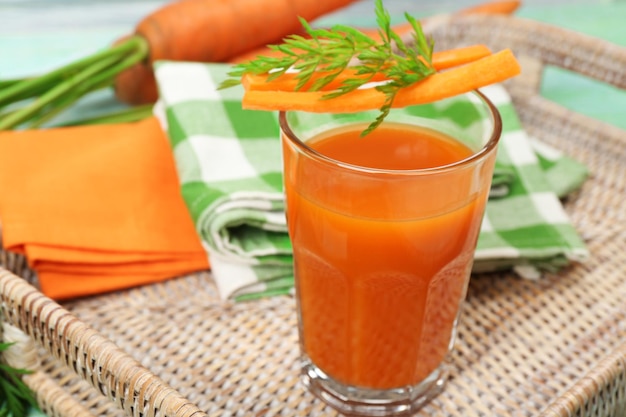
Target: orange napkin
(96,208)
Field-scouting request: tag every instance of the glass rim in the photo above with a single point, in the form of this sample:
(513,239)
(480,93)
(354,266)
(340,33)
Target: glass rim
(494,138)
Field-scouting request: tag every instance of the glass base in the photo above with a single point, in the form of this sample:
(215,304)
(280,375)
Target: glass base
(358,401)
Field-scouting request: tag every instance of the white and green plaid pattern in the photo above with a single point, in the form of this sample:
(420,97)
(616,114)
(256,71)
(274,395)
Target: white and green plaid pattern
(229,164)
(528,228)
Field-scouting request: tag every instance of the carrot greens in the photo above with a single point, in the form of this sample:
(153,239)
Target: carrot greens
(326,53)
(32,101)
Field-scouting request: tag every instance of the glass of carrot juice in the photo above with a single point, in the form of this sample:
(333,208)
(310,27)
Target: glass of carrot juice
(384,229)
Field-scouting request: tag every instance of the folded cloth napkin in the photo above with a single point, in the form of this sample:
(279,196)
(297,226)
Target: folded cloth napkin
(528,230)
(229,165)
(96,208)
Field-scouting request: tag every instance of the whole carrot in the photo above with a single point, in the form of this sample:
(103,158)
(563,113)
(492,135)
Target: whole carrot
(212,31)
(215,30)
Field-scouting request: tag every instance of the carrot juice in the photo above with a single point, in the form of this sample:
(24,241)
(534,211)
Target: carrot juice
(383,229)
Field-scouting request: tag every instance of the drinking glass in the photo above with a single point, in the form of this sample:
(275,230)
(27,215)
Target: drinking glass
(382,250)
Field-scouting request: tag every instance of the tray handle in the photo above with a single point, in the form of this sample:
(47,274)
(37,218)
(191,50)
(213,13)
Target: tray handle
(538,45)
(94,358)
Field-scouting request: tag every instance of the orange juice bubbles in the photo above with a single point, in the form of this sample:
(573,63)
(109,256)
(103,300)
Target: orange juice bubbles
(383,229)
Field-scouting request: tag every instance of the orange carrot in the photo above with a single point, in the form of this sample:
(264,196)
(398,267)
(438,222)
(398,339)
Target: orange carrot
(494,7)
(458,56)
(136,85)
(400,29)
(288,81)
(216,30)
(146,90)
(485,71)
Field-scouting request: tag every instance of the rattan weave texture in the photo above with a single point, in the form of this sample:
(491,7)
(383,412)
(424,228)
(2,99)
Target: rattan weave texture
(553,347)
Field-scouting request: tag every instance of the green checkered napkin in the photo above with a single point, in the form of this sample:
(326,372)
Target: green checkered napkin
(229,164)
(527,229)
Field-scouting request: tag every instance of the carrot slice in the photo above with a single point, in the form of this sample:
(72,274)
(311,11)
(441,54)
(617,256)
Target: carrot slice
(485,71)
(288,82)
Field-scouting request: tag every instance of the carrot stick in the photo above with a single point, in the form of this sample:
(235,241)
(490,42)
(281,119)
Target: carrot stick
(288,81)
(485,71)
(489,70)
(458,56)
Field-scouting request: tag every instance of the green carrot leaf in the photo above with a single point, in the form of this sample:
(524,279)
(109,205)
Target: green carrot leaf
(327,52)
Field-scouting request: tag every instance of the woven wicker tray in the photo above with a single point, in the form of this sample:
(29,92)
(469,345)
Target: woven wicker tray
(553,347)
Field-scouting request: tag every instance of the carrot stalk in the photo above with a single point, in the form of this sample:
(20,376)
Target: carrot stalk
(287,82)
(53,94)
(131,114)
(77,80)
(37,85)
(482,72)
